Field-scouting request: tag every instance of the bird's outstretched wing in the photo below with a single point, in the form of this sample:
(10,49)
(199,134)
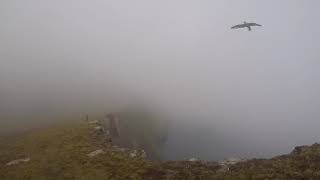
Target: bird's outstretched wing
(255,24)
(245,25)
(237,26)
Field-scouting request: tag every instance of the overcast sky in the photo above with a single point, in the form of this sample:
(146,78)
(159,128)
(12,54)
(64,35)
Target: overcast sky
(71,57)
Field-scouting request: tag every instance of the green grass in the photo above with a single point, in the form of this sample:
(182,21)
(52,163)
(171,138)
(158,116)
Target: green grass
(60,152)
(302,164)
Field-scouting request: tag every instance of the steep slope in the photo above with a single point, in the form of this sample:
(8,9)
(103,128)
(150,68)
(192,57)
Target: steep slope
(302,163)
(79,151)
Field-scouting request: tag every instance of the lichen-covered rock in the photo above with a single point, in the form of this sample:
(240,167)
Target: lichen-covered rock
(67,150)
(230,161)
(18,161)
(95,153)
(193,159)
(93,122)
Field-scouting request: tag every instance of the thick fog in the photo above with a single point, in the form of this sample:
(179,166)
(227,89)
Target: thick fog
(227,92)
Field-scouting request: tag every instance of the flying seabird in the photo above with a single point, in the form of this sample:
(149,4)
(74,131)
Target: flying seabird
(245,25)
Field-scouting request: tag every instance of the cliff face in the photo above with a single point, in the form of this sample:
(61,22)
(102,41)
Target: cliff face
(302,163)
(80,151)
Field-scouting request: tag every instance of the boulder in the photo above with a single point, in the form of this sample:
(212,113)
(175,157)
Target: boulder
(95,153)
(93,122)
(193,160)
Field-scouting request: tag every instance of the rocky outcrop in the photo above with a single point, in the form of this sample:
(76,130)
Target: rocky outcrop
(79,152)
(95,153)
(18,161)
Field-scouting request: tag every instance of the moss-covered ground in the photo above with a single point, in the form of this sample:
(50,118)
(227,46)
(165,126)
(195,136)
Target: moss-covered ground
(60,152)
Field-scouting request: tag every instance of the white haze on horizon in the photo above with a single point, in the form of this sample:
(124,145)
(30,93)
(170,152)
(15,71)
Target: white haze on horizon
(73,57)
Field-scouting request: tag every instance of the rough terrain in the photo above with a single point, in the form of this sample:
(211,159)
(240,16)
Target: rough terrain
(78,151)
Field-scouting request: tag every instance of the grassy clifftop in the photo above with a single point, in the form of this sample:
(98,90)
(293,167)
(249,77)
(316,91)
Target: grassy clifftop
(302,163)
(61,152)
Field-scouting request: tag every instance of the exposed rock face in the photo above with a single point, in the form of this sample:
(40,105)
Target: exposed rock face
(193,159)
(113,162)
(133,154)
(98,128)
(95,153)
(231,161)
(18,161)
(226,163)
(93,122)
(299,149)
(113,125)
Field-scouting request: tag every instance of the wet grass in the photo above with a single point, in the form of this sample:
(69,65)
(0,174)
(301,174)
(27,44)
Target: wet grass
(60,152)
